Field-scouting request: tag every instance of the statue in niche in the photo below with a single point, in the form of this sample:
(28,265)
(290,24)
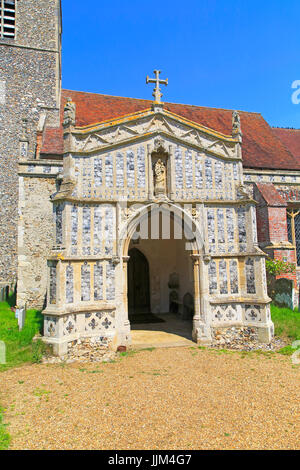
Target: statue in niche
(160,178)
(236,122)
(69,113)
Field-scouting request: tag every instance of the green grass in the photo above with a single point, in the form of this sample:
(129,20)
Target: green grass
(19,345)
(4,436)
(287,323)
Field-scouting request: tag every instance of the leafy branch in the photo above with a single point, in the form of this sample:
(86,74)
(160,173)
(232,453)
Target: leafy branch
(276,267)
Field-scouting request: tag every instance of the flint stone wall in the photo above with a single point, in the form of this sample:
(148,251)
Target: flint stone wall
(29,82)
(36,238)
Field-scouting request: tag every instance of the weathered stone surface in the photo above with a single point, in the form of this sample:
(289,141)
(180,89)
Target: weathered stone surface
(29,87)
(250,276)
(85,282)
(243,339)
(53,282)
(69,284)
(37,227)
(84,350)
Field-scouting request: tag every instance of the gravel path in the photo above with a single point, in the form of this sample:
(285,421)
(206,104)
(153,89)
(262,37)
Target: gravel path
(177,398)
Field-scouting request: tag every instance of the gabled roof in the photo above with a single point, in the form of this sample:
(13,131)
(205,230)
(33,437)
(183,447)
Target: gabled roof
(270,195)
(290,138)
(261,146)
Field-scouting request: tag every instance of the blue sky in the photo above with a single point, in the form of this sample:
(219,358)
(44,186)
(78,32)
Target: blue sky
(219,53)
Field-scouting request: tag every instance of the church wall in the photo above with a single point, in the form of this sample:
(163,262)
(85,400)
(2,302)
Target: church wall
(113,175)
(201,176)
(104,194)
(91,229)
(272,221)
(124,173)
(37,183)
(29,85)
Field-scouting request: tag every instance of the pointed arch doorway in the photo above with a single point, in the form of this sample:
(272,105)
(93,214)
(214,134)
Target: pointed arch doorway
(165,256)
(138,283)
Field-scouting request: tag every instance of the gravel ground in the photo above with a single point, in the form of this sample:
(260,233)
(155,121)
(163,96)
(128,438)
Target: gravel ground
(176,398)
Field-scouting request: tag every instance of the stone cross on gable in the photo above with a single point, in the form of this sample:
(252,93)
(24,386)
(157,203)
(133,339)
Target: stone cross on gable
(157,91)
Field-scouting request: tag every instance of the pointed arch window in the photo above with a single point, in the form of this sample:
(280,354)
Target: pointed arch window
(7,19)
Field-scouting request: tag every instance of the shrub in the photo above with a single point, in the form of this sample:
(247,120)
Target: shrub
(275,267)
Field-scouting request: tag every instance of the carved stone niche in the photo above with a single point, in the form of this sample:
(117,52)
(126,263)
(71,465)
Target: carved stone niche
(160,167)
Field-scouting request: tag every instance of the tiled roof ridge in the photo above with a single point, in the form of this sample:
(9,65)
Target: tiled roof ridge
(262,147)
(165,102)
(286,128)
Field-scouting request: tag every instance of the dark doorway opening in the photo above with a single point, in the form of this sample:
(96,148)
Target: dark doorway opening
(138,283)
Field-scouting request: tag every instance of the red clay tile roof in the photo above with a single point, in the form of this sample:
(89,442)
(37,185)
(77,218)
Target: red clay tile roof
(261,147)
(270,195)
(291,139)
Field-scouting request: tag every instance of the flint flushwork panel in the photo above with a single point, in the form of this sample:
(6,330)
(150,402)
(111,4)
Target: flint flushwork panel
(230,229)
(250,276)
(69,284)
(112,175)
(188,169)
(97,230)
(109,230)
(87,177)
(109,171)
(98,281)
(211,230)
(85,282)
(97,236)
(234,277)
(219,176)
(53,283)
(254,224)
(235,171)
(221,230)
(59,223)
(74,229)
(223,277)
(253,313)
(110,281)
(98,172)
(130,169)
(213,280)
(208,173)
(226,313)
(141,166)
(120,170)
(178,168)
(225,229)
(123,175)
(86,231)
(242,228)
(198,171)
(199,176)
(228,181)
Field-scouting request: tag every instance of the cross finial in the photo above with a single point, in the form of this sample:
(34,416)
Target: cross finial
(157,91)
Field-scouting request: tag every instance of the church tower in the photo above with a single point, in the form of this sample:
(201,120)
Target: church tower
(30,87)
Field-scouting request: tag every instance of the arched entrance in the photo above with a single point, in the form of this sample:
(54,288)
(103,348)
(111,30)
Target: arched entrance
(138,283)
(189,293)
